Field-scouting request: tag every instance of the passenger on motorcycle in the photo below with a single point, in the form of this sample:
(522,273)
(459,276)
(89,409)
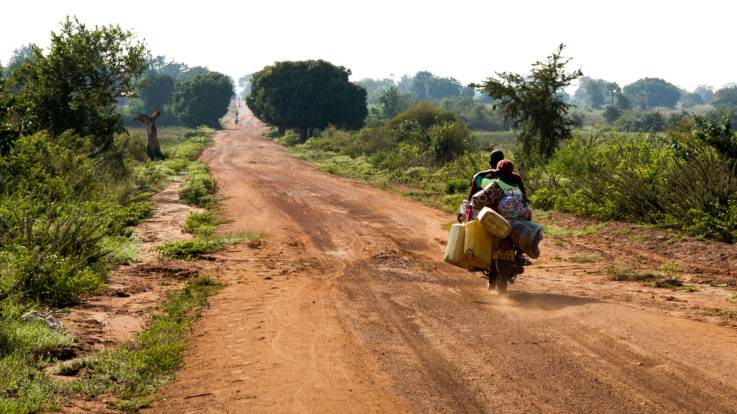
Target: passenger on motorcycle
(483,178)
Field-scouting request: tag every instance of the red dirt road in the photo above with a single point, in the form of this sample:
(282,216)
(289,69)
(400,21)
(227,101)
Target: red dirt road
(347,308)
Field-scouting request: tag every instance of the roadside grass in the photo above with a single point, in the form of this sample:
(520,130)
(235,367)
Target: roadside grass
(666,283)
(133,372)
(670,267)
(122,249)
(585,259)
(96,237)
(199,188)
(724,313)
(629,275)
(26,347)
(200,246)
(650,279)
(555,230)
(201,223)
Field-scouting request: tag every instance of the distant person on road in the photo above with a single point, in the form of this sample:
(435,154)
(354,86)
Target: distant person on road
(236,117)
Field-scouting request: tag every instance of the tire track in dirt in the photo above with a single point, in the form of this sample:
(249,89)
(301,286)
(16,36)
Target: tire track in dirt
(346,308)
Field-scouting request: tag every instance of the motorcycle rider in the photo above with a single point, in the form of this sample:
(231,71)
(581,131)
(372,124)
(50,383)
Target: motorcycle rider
(483,178)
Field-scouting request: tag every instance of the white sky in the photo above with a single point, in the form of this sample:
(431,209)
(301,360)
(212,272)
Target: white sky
(685,42)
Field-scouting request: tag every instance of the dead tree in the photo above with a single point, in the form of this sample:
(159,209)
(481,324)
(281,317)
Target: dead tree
(149,122)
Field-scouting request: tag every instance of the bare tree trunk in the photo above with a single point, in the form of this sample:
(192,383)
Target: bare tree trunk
(303,134)
(149,122)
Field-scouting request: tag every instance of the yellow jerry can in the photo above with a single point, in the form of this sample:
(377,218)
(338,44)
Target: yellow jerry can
(478,243)
(495,223)
(454,252)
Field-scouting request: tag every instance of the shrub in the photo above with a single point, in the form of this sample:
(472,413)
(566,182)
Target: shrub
(201,224)
(199,246)
(199,188)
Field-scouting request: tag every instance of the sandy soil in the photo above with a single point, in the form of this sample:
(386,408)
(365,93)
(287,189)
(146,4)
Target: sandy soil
(346,307)
(134,290)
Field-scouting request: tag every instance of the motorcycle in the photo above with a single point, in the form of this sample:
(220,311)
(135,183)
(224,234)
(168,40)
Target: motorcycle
(504,267)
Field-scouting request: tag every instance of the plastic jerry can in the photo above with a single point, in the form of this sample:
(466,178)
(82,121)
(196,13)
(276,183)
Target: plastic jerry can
(495,223)
(477,244)
(454,251)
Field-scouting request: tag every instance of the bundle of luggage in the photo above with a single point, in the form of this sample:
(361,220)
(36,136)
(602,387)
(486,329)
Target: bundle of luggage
(471,244)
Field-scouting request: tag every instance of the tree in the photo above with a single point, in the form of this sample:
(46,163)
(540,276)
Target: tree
(622,102)
(75,85)
(245,83)
(534,104)
(156,93)
(595,92)
(652,92)
(612,113)
(20,56)
(203,100)
(426,86)
(392,102)
(375,88)
(149,124)
(706,92)
(689,100)
(725,98)
(307,95)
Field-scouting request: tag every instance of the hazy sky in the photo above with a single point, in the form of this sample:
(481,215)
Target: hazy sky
(685,42)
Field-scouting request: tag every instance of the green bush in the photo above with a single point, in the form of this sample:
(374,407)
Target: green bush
(24,346)
(678,181)
(201,224)
(199,246)
(198,189)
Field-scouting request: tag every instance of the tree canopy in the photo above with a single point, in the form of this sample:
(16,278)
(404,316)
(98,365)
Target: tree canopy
(75,85)
(596,92)
(307,95)
(725,98)
(202,100)
(652,92)
(535,104)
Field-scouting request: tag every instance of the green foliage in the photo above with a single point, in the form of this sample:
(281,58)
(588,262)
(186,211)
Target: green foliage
(681,181)
(652,92)
(156,93)
(392,102)
(639,121)
(595,92)
(611,113)
(473,114)
(25,347)
(201,224)
(197,247)
(726,98)
(198,188)
(535,104)
(426,86)
(202,100)
(75,85)
(306,95)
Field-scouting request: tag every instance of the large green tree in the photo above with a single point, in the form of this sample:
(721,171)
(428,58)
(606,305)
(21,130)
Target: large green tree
(75,85)
(307,95)
(203,100)
(726,98)
(156,93)
(535,104)
(652,92)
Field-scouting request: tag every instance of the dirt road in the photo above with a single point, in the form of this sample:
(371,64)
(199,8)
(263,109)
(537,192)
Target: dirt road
(346,307)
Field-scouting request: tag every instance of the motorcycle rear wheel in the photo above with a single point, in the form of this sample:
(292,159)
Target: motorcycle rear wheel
(504,269)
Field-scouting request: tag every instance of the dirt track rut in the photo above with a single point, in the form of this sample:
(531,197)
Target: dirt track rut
(347,308)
